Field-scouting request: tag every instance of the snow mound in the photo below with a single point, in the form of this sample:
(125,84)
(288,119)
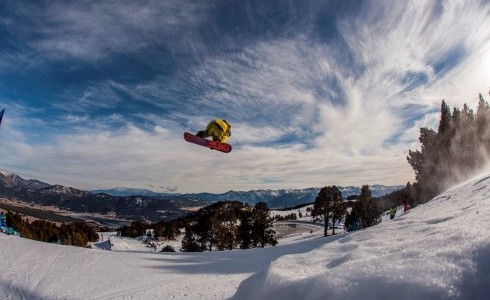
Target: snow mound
(435,251)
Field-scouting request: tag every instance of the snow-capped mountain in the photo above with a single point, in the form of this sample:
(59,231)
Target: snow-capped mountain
(134,203)
(71,199)
(123,191)
(274,198)
(10,180)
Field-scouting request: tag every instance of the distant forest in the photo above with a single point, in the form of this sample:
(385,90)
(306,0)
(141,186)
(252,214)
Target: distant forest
(74,234)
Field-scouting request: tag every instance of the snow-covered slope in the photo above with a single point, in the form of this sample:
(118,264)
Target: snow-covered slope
(35,270)
(440,250)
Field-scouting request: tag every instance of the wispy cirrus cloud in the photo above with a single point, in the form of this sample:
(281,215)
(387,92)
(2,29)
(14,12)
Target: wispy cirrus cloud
(96,30)
(315,97)
(409,48)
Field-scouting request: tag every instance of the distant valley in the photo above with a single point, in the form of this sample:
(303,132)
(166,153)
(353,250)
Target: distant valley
(15,189)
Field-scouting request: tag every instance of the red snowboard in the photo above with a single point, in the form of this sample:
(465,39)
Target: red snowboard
(191,138)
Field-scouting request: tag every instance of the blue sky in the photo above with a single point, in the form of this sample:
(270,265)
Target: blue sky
(99,93)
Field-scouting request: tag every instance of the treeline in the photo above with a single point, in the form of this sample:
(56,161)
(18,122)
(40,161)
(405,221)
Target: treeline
(459,148)
(397,198)
(289,217)
(220,226)
(330,207)
(74,234)
(229,225)
(165,230)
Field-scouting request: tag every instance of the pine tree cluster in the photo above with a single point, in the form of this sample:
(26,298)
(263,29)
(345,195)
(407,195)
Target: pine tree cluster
(330,206)
(223,225)
(459,148)
(229,225)
(74,234)
(290,217)
(365,213)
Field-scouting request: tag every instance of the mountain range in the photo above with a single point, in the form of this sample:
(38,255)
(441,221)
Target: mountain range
(274,198)
(135,204)
(135,207)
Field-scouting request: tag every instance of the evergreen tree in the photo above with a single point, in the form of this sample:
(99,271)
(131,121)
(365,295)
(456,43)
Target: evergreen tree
(219,228)
(424,166)
(351,219)
(9,219)
(339,210)
(324,203)
(158,230)
(445,122)
(483,125)
(262,223)
(170,231)
(228,234)
(244,230)
(189,243)
(367,208)
(466,149)
(204,232)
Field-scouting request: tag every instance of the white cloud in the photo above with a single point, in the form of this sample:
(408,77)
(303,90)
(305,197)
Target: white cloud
(134,158)
(348,122)
(95,30)
(393,40)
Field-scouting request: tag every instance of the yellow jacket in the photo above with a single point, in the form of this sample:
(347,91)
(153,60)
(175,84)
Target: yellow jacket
(219,129)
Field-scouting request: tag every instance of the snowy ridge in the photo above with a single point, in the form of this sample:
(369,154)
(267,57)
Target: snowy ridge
(436,251)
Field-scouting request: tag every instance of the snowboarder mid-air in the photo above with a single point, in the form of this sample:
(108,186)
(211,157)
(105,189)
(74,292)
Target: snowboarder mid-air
(218,129)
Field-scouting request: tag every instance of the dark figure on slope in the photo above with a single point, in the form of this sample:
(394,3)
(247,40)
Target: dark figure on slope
(392,212)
